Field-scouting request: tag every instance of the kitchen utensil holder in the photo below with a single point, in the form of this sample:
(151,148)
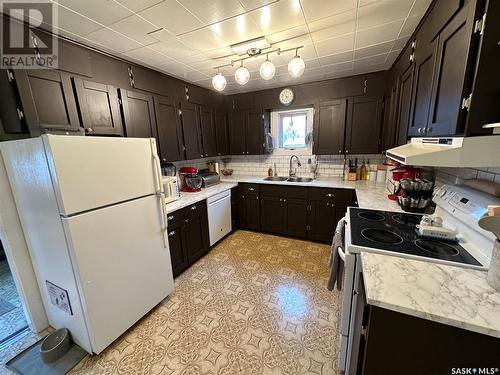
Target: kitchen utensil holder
(493,277)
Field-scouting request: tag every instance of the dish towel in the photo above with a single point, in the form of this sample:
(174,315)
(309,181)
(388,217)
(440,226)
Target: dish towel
(335,263)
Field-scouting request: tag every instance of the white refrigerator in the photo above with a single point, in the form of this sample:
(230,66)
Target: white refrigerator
(93,215)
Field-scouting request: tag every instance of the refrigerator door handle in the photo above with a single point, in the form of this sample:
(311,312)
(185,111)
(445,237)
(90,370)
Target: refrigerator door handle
(159,192)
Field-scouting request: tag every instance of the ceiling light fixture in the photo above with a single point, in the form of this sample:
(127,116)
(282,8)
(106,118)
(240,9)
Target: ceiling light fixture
(267,69)
(219,81)
(296,66)
(242,75)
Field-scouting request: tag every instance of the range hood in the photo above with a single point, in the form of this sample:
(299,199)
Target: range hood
(481,151)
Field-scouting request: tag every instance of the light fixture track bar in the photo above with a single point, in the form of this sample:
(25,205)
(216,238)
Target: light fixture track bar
(276,50)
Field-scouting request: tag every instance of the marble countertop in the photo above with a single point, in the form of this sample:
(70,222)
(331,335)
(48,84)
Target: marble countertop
(370,194)
(187,199)
(456,296)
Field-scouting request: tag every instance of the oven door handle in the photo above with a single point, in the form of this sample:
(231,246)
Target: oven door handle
(341,253)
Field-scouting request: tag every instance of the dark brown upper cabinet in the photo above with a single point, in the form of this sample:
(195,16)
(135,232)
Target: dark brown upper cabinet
(191,130)
(169,127)
(446,117)
(139,114)
(208,131)
(389,131)
(254,132)
(221,133)
(402,117)
(425,63)
(329,126)
(47,101)
(363,125)
(237,129)
(99,108)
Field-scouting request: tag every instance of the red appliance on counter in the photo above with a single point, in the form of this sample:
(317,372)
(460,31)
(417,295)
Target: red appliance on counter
(404,172)
(190,180)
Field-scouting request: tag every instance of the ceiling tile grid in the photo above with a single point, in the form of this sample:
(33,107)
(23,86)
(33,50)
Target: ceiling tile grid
(189,38)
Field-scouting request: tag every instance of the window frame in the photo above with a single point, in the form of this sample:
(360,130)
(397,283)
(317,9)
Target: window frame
(292,114)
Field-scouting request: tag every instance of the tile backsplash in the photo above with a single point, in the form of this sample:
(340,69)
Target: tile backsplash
(457,175)
(257,165)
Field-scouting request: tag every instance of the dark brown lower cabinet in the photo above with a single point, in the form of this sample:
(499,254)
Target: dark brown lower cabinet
(322,221)
(249,211)
(188,236)
(273,215)
(296,217)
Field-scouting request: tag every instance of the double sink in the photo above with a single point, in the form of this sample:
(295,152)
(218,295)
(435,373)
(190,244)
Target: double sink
(288,179)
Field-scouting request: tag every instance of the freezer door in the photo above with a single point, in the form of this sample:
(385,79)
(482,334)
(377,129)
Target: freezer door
(122,267)
(92,172)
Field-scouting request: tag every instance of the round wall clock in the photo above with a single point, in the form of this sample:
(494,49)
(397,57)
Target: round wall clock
(286,96)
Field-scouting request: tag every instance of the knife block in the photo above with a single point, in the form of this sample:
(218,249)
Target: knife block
(493,277)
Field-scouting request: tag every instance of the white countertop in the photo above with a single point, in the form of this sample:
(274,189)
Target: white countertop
(187,199)
(456,296)
(370,194)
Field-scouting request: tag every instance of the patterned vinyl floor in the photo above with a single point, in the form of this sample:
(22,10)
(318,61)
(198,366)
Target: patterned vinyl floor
(256,304)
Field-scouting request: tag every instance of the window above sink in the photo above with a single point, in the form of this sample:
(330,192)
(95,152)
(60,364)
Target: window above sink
(292,131)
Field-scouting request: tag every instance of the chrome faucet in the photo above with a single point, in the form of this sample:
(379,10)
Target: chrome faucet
(292,172)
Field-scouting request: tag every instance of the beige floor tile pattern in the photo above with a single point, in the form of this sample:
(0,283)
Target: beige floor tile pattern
(256,304)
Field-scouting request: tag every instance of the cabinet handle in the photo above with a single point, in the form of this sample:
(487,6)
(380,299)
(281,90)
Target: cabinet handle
(328,204)
(206,154)
(257,198)
(429,129)
(243,152)
(340,151)
(186,220)
(170,234)
(251,189)
(284,200)
(89,130)
(346,151)
(193,208)
(281,200)
(171,217)
(330,195)
(201,155)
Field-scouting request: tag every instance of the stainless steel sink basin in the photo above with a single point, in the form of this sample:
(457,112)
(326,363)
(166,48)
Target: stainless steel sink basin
(299,179)
(275,178)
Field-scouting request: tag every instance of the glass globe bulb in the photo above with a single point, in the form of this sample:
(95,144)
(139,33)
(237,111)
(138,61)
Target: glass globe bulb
(219,82)
(242,75)
(267,70)
(296,67)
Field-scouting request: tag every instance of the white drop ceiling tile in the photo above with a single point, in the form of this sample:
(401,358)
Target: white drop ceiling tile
(175,68)
(333,26)
(340,67)
(392,57)
(138,5)
(135,28)
(420,7)
(336,58)
(213,10)
(75,22)
(383,12)
(194,75)
(379,34)
(113,40)
(172,16)
(373,50)
(202,40)
(148,56)
(289,35)
(369,69)
(104,12)
(174,49)
(316,9)
(400,43)
(370,61)
(278,16)
(236,29)
(225,53)
(335,45)
(409,26)
(193,58)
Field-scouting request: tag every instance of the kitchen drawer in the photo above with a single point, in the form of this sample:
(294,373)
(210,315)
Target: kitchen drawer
(249,189)
(282,191)
(195,209)
(175,217)
(334,195)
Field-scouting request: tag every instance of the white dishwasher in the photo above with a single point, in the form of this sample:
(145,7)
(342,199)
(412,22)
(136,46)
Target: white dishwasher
(219,215)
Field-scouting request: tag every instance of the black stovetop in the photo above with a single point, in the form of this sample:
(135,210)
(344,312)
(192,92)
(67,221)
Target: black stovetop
(396,232)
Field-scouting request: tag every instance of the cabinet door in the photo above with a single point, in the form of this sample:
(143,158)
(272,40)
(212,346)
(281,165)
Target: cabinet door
(99,108)
(425,58)
(208,131)
(237,136)
(363,125)
(448,83)
(329,127)
(273,214)
(139,114)
(12,125)
(193,238)
(255,133)
(404,105)
(47,99)
(178,254)
(322,221)
(241,203)
(235,214)
(169,129)
(296,210)
(389,129)
(252,212)
(191,131)
(221,133)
